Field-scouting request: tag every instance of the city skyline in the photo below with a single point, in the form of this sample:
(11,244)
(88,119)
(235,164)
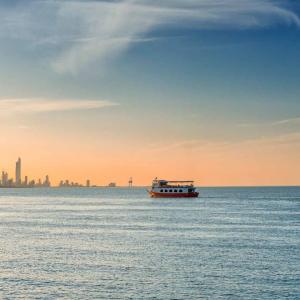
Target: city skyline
(18,182)
(202,90)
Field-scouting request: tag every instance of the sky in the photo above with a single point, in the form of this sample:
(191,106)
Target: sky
(206,90)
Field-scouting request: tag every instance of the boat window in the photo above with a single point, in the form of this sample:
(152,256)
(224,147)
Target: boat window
(175,191)
(171,191)
(190,190)
(161,191)
(180,191)
(166,191)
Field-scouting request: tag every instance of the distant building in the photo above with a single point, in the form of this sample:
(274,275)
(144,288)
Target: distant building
(26,181)
(18,172)
(130,182)
(47,181)
(88,183)
(112,184)
(4,178)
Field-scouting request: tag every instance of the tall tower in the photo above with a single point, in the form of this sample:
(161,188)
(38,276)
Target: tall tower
(4,178)
(47,181)
(18,171)
(130,182)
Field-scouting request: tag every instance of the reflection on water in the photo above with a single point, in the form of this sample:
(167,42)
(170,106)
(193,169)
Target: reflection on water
(231,243)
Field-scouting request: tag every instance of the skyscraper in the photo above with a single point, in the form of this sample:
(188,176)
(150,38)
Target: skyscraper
(47,181)
(18,171)
(4,178)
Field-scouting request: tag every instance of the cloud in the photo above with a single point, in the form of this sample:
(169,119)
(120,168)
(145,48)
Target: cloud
(84,31)
(291,121)
(21,106)
(283,122)
(210,147)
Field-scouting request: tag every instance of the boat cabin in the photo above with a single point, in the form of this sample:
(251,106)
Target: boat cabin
(167,188)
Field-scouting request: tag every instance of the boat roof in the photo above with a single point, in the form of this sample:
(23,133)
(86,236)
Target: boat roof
(176,181)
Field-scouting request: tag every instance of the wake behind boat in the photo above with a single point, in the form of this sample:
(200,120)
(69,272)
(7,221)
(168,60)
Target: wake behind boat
(173,189)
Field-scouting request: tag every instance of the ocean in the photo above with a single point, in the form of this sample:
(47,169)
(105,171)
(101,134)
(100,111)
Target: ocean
(117,243)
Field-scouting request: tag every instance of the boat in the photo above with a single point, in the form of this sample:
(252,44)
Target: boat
(173,189)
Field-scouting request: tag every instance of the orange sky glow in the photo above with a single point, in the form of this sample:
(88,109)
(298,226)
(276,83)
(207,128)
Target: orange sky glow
(77,157)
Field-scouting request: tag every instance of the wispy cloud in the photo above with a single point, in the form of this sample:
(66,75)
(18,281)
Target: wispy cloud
(85,31)
(291,121)
(210,147)
(21,106)
(283,122)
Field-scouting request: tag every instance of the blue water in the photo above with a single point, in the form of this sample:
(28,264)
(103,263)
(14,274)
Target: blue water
(231,243)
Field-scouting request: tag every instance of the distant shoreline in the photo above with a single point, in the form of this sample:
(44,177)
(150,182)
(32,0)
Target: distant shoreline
(135,187)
